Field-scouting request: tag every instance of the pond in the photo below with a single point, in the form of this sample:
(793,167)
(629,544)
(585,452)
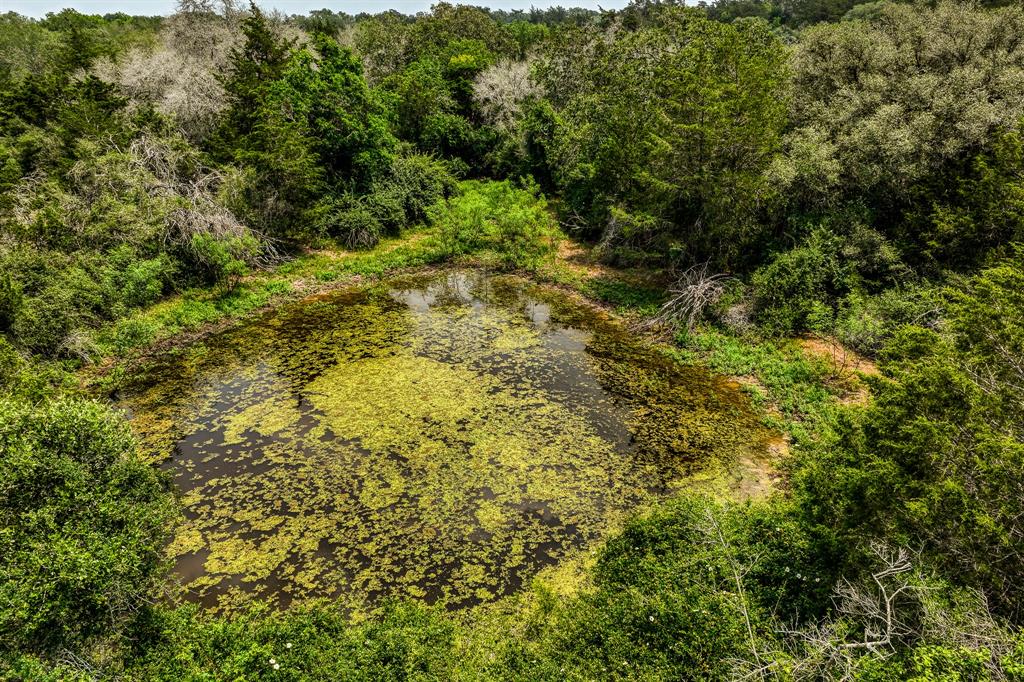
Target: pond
(441,437)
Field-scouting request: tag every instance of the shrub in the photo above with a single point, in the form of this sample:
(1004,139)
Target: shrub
(866,323)
(144,281)
(448,135)
(510,221)
(82,525)
(44,321)
(132,332)
(798,288)
(667,604)
(421,181)
(11,364)
(387,206)
(462,223)
(934,459)
(133,282)
(353,223)
(224,260)
(318,642)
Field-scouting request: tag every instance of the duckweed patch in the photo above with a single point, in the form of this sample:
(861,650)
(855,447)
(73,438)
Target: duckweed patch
(442,437)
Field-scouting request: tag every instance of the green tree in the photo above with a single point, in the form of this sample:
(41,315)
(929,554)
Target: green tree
(959,222)
(667,133)
(254,65)
(346,123)
(937,458)
(890,110)
(416,94)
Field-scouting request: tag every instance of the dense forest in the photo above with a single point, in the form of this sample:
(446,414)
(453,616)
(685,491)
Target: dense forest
(767,171)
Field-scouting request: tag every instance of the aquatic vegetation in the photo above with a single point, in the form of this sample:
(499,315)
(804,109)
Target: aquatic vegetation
(440,436)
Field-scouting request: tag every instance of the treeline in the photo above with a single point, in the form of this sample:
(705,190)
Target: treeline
(857,171)
(876,151)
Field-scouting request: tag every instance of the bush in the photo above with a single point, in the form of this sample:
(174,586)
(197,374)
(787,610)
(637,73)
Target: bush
(512,222)
(387,206)
(224,260)
(319,642)
(11,364)
(421,181)
(45,321)
(144,281)
(866,323)
(132,332)
(934,460)
(82,525)
(132,282)
(798,288)
(666,603)
(415,184)
(352,223)
(449,135)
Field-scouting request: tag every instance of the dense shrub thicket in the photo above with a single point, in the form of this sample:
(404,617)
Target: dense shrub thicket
(84,523)
(857,170)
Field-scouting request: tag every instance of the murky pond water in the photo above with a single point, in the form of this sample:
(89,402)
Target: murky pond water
(442,436)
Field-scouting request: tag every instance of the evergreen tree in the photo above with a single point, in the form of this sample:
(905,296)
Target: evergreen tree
(257,63)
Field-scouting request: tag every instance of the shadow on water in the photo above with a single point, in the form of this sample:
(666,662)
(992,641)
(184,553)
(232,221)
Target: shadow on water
(441,437)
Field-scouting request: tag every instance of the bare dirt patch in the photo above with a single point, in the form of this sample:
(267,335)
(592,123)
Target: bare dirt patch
(579,258)
(847,368)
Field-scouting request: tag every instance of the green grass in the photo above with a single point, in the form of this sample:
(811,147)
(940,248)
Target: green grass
(626,297)
(789,388)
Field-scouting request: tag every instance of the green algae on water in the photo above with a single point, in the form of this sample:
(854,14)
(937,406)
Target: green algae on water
(441,437)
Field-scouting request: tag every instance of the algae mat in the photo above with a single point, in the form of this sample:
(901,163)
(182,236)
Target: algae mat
(441,437)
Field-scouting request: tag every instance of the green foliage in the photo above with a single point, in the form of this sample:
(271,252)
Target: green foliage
(345,120)
(421,182)
(666,152)
(666,603)
(463,60)
(12,366)
(626,297)
(814,285)
(224,260)
(260,60)
(983,209)
(312,643)
(428,69)
(71,299)
(304,125)
(417,94)
(83,525)
(867,322)
(526,35)
(936,457)
(513,222)
(353,223)
(10,301)
(795,291)
(402,198)
(930,663)
(886,111)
